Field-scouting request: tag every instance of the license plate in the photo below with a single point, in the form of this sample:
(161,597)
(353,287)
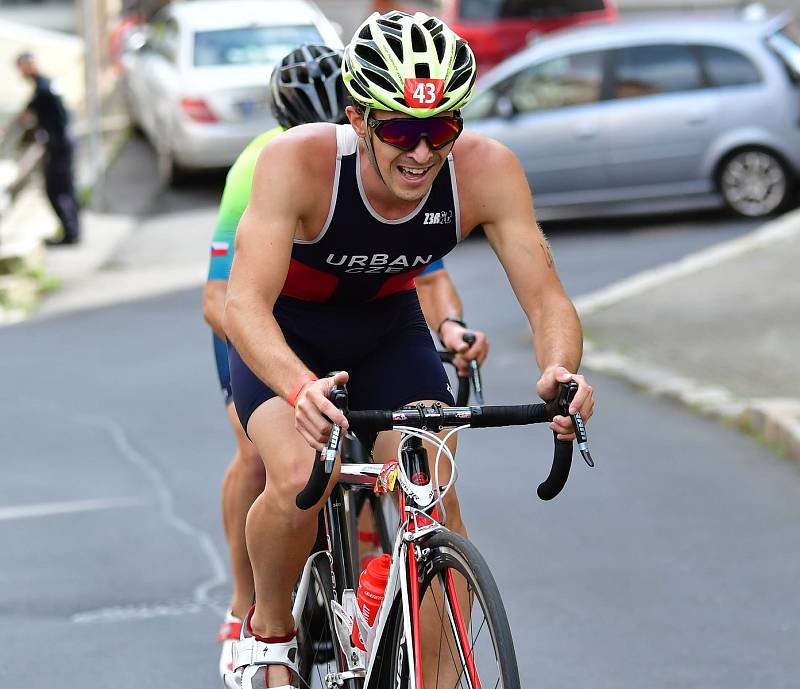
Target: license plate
(248,108)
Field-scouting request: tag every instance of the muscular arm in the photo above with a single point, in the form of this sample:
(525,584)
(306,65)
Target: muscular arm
(526,257)
(214,305)
(438,297)
(261,261)
(503,205)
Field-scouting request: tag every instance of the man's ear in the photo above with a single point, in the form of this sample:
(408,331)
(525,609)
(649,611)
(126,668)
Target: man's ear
(356,120)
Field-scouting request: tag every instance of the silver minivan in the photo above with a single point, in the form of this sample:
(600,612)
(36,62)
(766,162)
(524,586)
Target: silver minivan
(643,116)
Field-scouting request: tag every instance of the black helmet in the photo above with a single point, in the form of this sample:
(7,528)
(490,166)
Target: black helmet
(306,86)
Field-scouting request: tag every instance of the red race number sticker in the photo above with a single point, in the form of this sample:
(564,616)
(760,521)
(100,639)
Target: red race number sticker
(423,93)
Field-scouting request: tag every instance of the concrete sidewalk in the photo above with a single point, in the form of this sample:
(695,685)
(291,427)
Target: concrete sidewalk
(717,331)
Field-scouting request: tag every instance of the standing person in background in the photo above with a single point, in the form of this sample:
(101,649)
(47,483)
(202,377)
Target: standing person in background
(52,124)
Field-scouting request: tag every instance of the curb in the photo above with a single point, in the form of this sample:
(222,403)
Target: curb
(775,422)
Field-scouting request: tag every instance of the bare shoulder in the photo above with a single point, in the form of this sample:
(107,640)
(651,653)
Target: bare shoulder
(489,176)
(479,160)
(304,155)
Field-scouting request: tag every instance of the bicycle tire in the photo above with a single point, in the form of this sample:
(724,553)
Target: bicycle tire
(318,653)
(494,661)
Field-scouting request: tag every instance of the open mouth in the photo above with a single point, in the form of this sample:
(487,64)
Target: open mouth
(413,174)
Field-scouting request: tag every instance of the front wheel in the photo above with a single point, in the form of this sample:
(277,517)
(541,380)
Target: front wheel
(754,182)
(465,637)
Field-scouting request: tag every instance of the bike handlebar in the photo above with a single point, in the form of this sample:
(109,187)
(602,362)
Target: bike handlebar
(436,417)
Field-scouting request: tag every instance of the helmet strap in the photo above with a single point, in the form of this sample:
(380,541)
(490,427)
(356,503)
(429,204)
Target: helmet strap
(368,145)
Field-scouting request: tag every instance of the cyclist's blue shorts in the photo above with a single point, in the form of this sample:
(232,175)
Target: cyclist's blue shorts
(384,345)
(223,369)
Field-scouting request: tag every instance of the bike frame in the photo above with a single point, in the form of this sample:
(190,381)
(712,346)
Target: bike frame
(402,588)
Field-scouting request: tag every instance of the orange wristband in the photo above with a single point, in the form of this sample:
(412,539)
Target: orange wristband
(305,378)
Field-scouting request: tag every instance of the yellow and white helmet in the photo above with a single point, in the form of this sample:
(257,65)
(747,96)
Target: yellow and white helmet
(410,64)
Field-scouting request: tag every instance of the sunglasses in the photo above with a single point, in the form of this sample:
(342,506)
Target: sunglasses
(405,132)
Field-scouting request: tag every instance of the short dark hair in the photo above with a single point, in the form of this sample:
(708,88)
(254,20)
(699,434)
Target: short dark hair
(26,56)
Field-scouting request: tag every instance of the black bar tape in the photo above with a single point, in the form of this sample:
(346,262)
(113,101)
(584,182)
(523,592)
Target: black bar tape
(517,415)
(369,421)
(315,488)
(562,461)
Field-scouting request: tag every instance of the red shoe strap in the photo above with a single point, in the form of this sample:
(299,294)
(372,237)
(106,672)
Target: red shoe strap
(266,639)
(230,631)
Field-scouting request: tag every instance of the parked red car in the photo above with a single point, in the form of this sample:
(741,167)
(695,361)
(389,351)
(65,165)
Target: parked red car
(497,28)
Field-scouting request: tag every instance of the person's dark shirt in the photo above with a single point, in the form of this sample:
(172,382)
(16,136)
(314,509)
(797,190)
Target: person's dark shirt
(51,116)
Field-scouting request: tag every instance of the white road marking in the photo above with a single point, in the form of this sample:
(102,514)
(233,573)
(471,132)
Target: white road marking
(51,509)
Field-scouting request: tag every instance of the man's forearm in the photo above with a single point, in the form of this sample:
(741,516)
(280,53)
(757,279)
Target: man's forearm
(557,335)
(259,340)
(438,299)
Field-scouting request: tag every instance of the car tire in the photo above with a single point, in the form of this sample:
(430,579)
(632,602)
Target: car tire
(754,182)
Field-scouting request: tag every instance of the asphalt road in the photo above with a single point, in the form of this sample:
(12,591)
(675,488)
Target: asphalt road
(672,564)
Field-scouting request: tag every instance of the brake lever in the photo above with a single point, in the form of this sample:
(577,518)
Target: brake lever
(475,371)
(566,393)
(339,398)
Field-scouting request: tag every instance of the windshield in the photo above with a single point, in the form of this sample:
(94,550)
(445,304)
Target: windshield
(786,43)
(530,9)
(250,45)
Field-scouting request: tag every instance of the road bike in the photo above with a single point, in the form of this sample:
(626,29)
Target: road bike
(441,622)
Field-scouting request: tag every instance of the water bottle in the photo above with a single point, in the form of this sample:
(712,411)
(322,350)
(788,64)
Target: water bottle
(371,589)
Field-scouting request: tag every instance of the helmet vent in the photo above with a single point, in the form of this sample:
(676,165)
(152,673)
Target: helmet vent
(396,45)
(418,43)
(440,45)
(390,27)
(433,25)
(379,80)
(360,90)
(372,57)
(463,56)
(422,71)
(460,80)
(322,94)
(401,101)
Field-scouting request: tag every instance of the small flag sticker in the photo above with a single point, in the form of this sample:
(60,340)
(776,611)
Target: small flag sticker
(219,248)
(423,93)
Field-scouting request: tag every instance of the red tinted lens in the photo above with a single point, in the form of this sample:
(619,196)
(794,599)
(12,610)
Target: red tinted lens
(405,133)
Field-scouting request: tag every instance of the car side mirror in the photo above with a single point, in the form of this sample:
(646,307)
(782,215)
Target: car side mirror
(504,107)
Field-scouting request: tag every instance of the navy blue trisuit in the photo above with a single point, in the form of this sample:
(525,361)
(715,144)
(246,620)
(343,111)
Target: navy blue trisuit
(349,300)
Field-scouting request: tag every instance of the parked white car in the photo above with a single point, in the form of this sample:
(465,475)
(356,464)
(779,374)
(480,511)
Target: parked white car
(196,76)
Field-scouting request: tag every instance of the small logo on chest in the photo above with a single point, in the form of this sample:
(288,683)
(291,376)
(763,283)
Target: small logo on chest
(442,218)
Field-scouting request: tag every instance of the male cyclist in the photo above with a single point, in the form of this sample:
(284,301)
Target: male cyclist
(306,86)
(340,220)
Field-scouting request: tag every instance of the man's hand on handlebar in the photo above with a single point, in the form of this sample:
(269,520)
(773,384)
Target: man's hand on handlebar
(452,338)
(583,402)
(314,413)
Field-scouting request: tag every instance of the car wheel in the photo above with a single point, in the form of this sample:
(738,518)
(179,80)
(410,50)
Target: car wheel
(754,182)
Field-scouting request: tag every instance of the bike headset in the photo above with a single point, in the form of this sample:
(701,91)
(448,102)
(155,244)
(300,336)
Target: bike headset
(392,54)
(306,86)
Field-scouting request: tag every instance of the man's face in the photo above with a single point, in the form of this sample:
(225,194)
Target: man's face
(26,67)
(409,174)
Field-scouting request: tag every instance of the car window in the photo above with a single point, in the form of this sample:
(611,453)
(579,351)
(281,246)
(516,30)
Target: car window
(727,67)
(786,43)
(250,45)
(653,69)
(533,9)
(564,81)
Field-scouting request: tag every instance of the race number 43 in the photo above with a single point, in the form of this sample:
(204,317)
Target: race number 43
(423,93)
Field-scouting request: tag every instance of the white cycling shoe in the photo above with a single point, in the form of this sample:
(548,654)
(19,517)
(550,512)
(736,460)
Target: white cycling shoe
(229,632)
(253,655)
